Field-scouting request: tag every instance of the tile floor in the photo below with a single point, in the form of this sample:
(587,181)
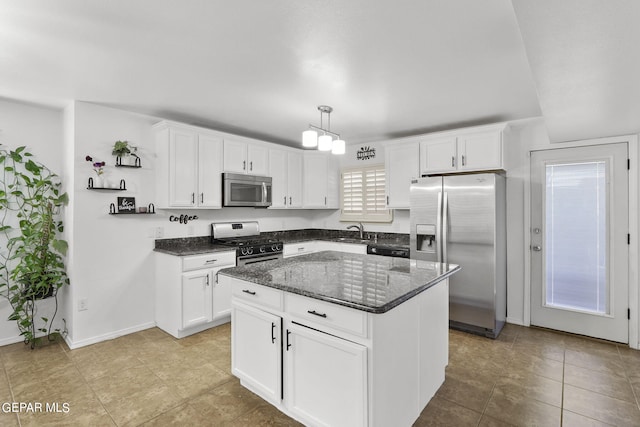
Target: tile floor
(526,377)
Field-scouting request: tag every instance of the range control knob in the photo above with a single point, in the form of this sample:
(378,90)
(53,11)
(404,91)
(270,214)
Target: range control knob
(274,247)
(279,247)
(243,251)
(263,249)
(249,251)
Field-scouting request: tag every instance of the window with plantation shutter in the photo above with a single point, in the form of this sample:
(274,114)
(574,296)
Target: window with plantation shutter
(363,195)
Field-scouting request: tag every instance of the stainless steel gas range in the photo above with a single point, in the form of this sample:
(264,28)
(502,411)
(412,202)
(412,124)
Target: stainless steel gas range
(245,238)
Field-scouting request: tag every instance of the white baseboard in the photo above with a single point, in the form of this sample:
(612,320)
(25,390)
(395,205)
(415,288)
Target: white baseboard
(11,340)
(111,335)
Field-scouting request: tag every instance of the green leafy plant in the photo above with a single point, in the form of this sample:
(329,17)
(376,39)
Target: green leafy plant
(123,148)
(31,263)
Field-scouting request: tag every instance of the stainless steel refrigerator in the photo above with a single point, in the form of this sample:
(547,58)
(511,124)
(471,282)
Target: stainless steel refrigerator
(461,219)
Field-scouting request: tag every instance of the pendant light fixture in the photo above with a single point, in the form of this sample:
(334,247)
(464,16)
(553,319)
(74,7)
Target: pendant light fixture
(323,138)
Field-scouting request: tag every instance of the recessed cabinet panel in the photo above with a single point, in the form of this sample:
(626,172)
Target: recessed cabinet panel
(241,157)
(440,155)
(256,350)
(320,181)
(294,179)
(183,152)
(279,187)
(235,156)
(196,298)
(257,160)
(480,151)
(318,363)
(462,151)
(209,172)
(189,167)
(401,165)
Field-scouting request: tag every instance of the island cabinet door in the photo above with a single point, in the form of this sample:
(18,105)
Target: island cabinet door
(326,378)
(256,350)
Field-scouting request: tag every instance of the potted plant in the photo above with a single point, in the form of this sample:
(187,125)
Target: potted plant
(31,255)
(124,150)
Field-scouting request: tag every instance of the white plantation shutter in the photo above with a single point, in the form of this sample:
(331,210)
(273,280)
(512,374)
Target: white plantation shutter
(363,195)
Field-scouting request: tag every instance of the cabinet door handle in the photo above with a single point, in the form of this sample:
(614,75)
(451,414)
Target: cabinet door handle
(453,161)
(210,261)
(315,313)
(201,197)
(244,165)
(193,198)
(387,200)
(207,280)
(288,345)
(325,200)
(285,200)
(273,330)
(247,291)
(463,162)
(250,166)
(290,200)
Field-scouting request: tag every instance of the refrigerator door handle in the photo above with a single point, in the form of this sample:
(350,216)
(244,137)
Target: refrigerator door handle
(445,226)
(439,229)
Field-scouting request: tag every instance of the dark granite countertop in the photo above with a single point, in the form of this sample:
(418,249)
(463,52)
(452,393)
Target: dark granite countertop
(202,244)
(365,282)
(189,246)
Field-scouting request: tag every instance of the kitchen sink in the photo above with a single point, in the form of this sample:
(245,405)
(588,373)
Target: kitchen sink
(352,240)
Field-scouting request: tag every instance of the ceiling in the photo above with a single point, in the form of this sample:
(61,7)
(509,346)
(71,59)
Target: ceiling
(389,69)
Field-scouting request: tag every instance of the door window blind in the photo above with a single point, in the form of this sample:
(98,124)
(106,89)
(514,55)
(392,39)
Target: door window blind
(363,195)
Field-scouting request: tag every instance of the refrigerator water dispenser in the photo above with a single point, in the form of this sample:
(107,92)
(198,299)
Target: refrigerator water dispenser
(426,238)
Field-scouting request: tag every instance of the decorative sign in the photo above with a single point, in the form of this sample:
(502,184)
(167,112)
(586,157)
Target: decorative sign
(183,219)
(126,205)
(366,153)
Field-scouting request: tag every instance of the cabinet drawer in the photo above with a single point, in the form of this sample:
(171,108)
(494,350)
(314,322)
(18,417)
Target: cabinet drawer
(258,294)
(214,259)
(327,314)
(294,249)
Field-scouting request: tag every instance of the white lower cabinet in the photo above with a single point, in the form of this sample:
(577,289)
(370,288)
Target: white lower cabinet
(319,365)
(196,298)
(329,365)
(257,350)
(189,297)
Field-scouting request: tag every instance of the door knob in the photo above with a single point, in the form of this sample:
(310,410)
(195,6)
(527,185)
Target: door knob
(536,248)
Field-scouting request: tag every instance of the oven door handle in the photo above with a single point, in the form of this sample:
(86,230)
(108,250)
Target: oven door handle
(247,261)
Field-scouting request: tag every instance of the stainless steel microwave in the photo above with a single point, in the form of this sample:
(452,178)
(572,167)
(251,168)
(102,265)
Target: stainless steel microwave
(246,190)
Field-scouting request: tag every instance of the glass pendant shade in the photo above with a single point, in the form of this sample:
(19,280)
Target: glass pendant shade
(325,143)
(309,138)
(338,147)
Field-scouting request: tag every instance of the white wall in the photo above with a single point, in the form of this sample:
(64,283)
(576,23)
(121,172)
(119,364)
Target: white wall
(113,256)
(331,219)
(40,129)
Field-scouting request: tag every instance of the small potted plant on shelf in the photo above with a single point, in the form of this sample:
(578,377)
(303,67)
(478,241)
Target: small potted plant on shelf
(123,150)
(98,168)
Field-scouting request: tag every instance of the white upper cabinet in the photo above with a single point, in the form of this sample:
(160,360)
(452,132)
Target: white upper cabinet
(401,166)
(247,158)
(463,151)
(320,181)
(285,168)
(189,168)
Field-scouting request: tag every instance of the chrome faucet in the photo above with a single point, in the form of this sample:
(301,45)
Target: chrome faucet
(360,228)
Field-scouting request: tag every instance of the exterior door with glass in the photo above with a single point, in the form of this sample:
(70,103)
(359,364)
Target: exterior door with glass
(579,240)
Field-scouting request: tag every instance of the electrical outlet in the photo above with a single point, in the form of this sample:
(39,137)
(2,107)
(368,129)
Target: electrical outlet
(83,304)
(159,232)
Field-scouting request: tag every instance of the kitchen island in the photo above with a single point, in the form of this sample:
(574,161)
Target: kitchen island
(333,338)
